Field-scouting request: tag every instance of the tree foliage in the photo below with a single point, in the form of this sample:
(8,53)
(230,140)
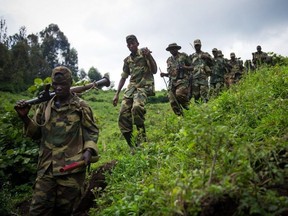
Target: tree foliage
(25,57)
(94,74)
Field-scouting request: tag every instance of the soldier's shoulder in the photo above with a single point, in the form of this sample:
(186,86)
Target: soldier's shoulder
(206,53)
(126,59)
(193,55)
(184,54)
(80,102)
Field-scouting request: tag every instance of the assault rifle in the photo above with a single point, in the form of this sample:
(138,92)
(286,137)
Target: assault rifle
(47,95)
(75,165)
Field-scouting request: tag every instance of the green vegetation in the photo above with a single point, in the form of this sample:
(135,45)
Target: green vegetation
(230,153)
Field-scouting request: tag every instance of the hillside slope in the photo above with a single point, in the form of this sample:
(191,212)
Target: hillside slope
(226,157)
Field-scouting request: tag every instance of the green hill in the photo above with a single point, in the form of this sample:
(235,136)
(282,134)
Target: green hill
(226,157)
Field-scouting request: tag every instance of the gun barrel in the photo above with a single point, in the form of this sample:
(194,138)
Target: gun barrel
(47,95)
(41,98)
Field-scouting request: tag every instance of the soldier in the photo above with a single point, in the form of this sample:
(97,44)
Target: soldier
(140,66)
(219,70)
(249,67)
(214,53)
(201,63)
(179,76)
(68,133)
(259,57)
(237,69)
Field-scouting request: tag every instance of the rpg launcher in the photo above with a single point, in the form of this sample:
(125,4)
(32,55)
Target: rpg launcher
(47,95)
(75,165)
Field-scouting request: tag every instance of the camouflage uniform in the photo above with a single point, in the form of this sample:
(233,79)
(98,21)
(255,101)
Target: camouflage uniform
(135,97)
(66,133)
(219,70)
(178,82)
(236,71)
(201,61)
(259,57)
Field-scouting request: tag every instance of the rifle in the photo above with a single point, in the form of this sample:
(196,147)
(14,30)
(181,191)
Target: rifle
(47,95)
(75,165)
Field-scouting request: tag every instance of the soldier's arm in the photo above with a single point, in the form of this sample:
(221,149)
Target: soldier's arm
(150,60)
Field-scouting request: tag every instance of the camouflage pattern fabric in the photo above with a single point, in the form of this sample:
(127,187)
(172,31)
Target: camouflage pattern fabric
(219,74)
(141,78)
(236,71)
(141,85)
(178,82)
(218,70)
(259,58)
(202,63)
(65,133)
(56,195)
(132,111)
(69,131)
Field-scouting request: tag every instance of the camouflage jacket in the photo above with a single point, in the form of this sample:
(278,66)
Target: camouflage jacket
(202,63)
(259,58)
(219,70)
(64,134)
(141,77)
(236,66)
(174,64)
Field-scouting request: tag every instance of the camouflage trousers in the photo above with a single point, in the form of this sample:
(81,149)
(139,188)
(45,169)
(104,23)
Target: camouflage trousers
(200,90)
(216,88)
(178,98)
(56,195)
(132,111)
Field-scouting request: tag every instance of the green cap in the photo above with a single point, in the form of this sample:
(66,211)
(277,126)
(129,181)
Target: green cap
(197,41)
(62,70)
(131,37)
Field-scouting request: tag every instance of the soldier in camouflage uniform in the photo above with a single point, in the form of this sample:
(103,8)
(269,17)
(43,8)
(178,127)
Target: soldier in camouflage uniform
(219,70)
(249,67)
(237,69)
(215,53)
(201,63)
(140,66)
(67,131)
(179,78)
(259,57)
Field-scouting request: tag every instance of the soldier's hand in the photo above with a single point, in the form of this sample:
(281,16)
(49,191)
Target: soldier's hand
(115,100)
(22,108)
(87,155)
(162,74)
(146,51)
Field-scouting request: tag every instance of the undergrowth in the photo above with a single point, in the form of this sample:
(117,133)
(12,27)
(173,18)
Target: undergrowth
(231,146)
(232,150)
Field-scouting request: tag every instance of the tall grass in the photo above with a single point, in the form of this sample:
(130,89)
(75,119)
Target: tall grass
(229,146)
(234,146)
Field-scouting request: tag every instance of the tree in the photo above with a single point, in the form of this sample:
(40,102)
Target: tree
(72,63)
(94,74)
(3,31)
(56,49)
(82,74)
(39,67)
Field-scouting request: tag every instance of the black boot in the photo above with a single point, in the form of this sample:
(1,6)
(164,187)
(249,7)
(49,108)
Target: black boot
(128,138)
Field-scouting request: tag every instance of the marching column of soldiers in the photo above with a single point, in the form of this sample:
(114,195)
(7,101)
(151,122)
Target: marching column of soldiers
(201,76)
